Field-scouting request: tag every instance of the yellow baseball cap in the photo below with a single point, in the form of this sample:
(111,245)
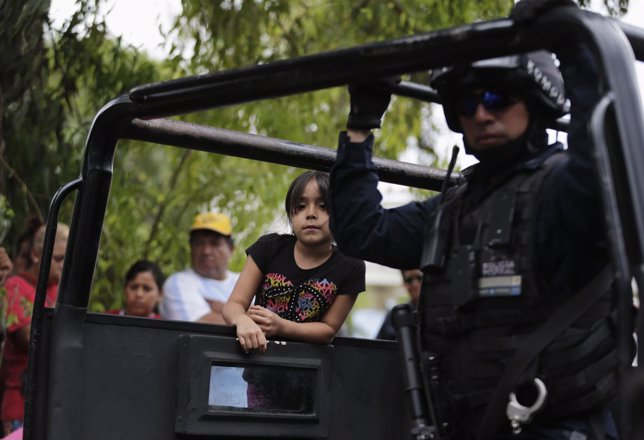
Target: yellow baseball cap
(213,221)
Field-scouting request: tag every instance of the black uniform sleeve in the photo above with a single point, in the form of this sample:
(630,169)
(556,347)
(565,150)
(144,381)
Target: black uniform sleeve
(360,225)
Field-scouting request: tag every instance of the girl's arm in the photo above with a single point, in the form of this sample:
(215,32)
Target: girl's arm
(321,332)
(250,335)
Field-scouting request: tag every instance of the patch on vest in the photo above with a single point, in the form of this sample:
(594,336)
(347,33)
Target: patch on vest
(499,278)
(495,268)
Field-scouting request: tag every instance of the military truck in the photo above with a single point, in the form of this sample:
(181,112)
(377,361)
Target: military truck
(94,376)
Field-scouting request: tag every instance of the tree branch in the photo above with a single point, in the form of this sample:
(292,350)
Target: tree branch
(162,207)
(24,186)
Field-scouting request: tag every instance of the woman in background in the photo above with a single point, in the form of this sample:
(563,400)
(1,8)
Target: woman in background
(142,290)
(17,308)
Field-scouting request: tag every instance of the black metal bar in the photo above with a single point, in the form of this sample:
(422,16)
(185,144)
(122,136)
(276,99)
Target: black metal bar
(91,202)
(615,232)
(39,300)
(234,143)
(370,61)
(327,69)
(414,90)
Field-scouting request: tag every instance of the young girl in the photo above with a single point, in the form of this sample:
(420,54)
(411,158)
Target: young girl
(143,284)
(303,286)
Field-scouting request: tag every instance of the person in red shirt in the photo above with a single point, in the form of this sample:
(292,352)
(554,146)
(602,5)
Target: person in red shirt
(17,305)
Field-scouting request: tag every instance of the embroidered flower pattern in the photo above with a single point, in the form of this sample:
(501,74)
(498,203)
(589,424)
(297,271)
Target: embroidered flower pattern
(305,302)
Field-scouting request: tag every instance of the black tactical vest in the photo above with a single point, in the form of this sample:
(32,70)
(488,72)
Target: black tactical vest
(482,295)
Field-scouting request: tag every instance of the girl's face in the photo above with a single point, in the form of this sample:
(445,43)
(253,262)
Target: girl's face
(310,218)
(141,295)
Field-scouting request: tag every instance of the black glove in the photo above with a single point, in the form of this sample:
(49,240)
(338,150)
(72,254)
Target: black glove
(528,10)
(369,101)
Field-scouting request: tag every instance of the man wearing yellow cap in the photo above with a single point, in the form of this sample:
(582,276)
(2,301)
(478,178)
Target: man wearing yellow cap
(199,293)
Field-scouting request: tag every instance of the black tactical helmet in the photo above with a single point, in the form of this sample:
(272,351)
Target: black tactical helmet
(533,76)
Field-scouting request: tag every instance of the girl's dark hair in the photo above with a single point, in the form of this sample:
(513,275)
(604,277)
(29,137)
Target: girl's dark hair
(145,266)
(295,191)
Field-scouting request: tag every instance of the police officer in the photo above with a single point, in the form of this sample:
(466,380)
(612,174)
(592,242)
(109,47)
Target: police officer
(510,256)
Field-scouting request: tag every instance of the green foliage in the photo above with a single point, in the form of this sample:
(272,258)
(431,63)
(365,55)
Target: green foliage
(69,74)
(59,80)
(6,214)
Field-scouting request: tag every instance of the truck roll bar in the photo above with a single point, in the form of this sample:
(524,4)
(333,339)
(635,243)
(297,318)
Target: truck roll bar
(279,151)
(134,116)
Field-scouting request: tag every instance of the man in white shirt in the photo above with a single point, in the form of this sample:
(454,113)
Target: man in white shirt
(199,293)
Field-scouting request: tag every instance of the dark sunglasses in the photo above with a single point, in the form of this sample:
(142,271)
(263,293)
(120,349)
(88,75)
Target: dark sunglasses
(491,101)
(412,278)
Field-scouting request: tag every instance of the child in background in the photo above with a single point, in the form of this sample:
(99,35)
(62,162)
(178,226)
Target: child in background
(304,288)
(143,284)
